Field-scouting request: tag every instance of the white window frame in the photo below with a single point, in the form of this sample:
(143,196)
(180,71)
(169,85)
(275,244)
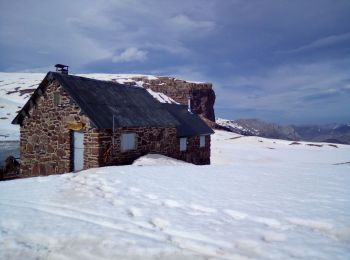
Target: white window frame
(127,142)
(183,144)
(202,141)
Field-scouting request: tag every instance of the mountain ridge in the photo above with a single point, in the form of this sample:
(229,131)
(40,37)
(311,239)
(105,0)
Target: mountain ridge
(334,133)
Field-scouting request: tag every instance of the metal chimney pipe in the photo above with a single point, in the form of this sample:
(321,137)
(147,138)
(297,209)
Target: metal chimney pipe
(189,104)
(60,68)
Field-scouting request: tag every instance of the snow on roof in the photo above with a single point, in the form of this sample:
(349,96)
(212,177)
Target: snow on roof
(162,97)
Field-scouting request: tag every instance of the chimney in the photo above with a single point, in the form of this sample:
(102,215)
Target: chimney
(189,104)
(60,68)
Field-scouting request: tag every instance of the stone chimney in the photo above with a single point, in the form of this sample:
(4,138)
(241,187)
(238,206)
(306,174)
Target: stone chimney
(60,68)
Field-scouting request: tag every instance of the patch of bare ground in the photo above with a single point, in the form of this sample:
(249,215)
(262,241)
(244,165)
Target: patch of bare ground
(341,163)
(25,91)
(333,145)
(233,138)
(316,145)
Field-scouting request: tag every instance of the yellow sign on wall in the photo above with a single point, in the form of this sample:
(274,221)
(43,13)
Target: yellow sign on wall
(76,126)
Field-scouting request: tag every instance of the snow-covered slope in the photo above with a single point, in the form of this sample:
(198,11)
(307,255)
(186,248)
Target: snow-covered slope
(335,133)
(237,128)
(16,88)
(258,127)
(261,199)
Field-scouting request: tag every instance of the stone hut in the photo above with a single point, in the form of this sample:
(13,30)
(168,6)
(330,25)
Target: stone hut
(72,123)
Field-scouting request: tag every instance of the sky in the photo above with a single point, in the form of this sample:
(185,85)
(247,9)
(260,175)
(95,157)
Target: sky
(278,60)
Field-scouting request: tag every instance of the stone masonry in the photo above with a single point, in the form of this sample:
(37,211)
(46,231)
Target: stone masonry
(45,139)
(151,140)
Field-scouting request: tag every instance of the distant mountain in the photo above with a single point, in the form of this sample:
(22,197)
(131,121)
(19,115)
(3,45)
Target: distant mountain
(258,127)
(335,133)
(332,133)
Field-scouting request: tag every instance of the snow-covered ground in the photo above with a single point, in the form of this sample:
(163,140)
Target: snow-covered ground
(13,87)
(16,88)
(261,199)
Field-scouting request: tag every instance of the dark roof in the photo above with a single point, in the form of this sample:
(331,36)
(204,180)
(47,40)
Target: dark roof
(100,100)
(131,106)
(190,124)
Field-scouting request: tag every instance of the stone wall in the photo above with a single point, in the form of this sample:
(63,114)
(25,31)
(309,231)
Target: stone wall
(150,140)
(46,141)
(202,94)
(195,154)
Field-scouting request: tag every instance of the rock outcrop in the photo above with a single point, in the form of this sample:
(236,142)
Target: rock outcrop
(201,94)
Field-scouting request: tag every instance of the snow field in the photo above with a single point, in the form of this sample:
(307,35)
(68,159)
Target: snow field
(252,203)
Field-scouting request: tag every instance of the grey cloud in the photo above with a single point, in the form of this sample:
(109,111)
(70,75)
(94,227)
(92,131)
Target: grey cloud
(184,23)
(130,54)
(321,96)
(85,31)
(323,42)
(272,56)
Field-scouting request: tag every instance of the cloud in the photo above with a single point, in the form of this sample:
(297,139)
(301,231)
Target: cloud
(316,89)
(321,96)
(322,43)
(130,54)
(183,22)
(234,44)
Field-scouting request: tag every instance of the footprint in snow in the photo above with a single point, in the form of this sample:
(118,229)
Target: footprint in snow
(117,202)
(270,222)
(313,224)
(108,195)
(151,196)
(237,215)
(249,248)
(134,212)
(133,189)
(108,189)
(274,237)
(171,204)
(117,182)
(159,223)
(202,209)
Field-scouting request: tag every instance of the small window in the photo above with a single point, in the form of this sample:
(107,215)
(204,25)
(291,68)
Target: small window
(183,144)
(128,142)
(56,99)
(202,141)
